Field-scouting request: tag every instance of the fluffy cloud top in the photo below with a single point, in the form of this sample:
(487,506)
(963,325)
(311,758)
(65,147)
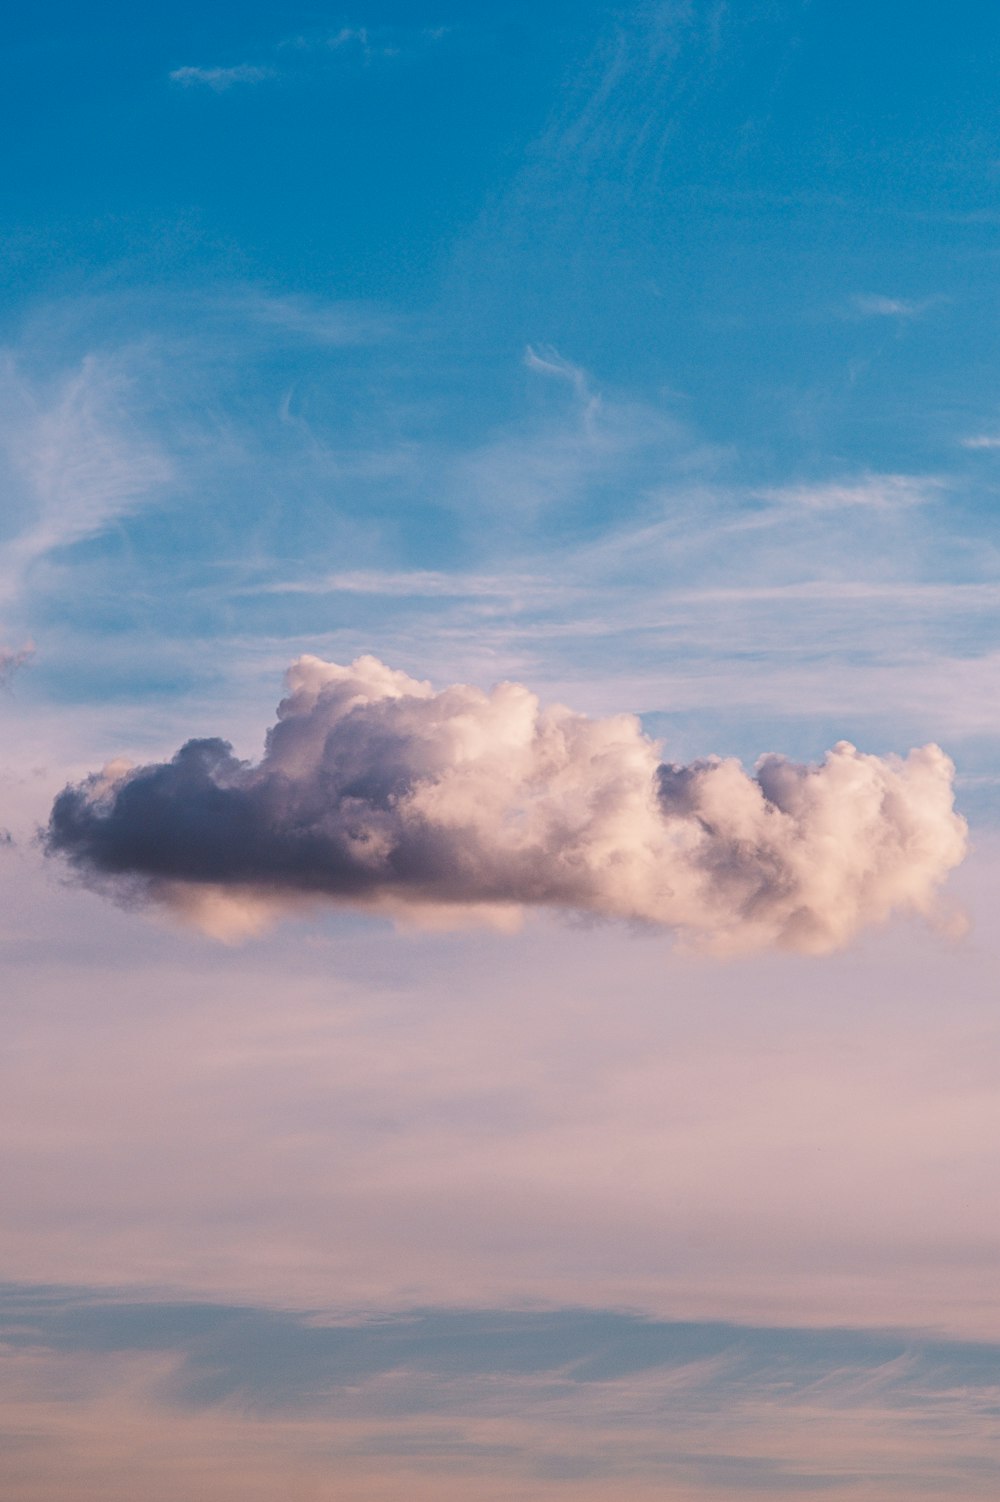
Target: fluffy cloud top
(375,790)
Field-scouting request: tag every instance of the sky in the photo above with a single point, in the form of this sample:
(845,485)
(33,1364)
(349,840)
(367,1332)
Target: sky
(499,792)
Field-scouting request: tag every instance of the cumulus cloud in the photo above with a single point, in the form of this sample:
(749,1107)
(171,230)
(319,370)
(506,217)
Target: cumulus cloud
(376,790)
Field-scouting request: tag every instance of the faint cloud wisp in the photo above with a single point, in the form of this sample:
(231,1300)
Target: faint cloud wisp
(221,79)
(13,660)
(75,461)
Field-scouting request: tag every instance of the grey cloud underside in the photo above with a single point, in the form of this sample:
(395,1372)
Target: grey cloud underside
(205,817)
(376,790)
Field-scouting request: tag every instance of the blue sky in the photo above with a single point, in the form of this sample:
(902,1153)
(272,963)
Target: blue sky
(560,301)
(643,355)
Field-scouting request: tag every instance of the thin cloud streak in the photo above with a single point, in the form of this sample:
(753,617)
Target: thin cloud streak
(75,463)
(13,660)
(417,584)
(881,492)
(219,80)
(874,305)
(470,1398)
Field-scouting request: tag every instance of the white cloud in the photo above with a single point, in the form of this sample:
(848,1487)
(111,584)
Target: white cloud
(871,305)
(310,319)
(74,460)
(547,361)
(348,34)
(375,790)
(878,491)
(415,584)
(221,79)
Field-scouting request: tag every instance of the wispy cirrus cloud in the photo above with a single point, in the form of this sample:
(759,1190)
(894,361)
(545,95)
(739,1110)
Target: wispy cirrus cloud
(423,1401)
(578,443)
(221,79)
(875,305)
(415,584)
(548,361)
(334,323)
(366,44)
(75,460)
(844,597)
(353,38)
(878,491)
(225,1354)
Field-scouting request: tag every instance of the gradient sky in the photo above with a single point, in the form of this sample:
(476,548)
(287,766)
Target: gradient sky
(645,355)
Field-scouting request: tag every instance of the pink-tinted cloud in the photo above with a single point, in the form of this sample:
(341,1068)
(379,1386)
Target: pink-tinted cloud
(376,790)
